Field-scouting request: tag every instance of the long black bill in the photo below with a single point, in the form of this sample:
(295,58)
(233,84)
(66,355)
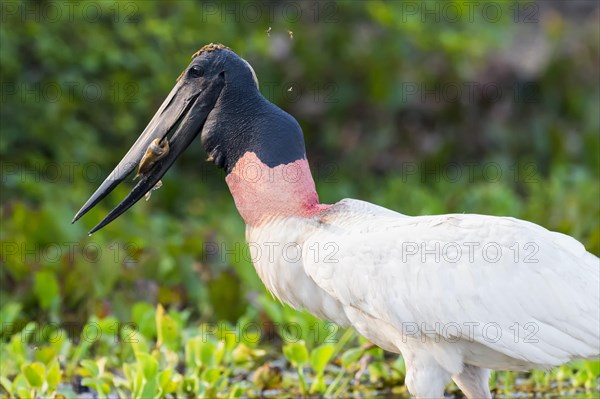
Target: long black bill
(183,112)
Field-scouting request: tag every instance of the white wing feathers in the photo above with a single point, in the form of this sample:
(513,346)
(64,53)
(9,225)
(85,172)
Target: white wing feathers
(504,283)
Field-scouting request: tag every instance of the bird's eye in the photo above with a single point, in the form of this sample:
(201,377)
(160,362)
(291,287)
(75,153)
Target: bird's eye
(196,71)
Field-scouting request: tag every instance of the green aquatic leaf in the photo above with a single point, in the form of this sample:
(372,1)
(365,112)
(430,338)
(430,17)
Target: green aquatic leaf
(35,374)
(167,329)
(53,375)
(296,353)
(320,356)
(148,364)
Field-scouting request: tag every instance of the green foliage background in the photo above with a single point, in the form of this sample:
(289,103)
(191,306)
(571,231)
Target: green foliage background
(77,89)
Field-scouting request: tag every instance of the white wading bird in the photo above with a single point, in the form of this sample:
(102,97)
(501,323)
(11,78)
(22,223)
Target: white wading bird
(456,295)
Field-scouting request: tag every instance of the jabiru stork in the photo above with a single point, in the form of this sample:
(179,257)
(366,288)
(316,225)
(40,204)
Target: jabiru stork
(456,295)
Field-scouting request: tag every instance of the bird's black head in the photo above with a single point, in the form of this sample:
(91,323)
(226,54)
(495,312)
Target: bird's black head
(216,96)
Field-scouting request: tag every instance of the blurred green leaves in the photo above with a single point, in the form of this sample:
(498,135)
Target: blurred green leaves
(71,107)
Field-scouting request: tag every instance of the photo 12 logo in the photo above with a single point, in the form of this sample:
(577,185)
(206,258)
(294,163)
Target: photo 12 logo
(51,253)
(471,331)
(69,91)
(55,12)
(38,334)
(469,11)
(270,12)
(469,252)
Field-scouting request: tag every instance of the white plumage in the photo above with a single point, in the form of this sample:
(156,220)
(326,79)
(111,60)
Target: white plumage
(455,294)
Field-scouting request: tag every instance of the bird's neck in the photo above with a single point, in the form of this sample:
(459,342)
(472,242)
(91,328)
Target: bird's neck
(261,192)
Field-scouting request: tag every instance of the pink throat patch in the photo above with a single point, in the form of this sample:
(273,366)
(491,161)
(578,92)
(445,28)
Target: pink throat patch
(261,192)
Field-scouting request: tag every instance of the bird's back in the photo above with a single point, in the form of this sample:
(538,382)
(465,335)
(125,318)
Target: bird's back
(470,285)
